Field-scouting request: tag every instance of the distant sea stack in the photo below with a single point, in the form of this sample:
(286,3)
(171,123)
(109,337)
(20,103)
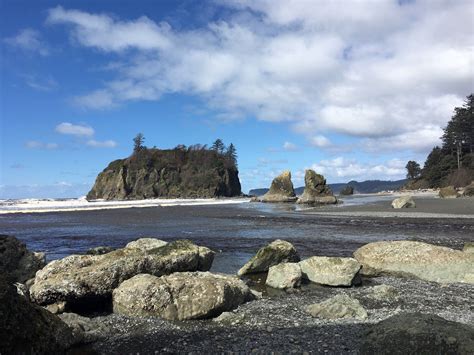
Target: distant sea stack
(194,172)
(281,189)
(316,191)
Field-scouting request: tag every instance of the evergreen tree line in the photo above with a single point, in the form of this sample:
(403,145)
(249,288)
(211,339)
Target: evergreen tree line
(456,154)
(221,150)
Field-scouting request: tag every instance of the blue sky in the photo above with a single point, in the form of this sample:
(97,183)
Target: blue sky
(350,89)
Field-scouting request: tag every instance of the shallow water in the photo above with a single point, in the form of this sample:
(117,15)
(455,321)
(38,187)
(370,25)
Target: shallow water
(234,231)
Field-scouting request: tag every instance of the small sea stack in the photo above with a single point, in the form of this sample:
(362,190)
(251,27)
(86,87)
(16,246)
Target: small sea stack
(281,189)
(316,191)
(347,191)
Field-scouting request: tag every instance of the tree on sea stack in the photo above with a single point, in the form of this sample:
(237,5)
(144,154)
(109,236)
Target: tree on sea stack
(138,142)
(218,146)
(231,154)
(413,170)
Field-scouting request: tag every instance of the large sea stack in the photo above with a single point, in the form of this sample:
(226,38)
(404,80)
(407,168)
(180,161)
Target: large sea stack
(175,173)
(316,191)
(281,189)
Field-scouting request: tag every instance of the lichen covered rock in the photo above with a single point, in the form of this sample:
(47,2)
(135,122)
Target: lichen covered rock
(180,296)
(338,307)
(278,251)
(84,279)
(416,259)
(332,271)
(448,192)
(403,202)
(284,275)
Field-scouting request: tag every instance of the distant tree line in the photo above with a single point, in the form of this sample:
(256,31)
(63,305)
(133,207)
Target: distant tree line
(455,157)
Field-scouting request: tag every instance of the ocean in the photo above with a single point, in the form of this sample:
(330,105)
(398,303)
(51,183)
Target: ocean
(234,229)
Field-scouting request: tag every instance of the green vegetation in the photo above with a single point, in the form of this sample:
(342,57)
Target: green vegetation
(453,162)
(413,169)
(186,172)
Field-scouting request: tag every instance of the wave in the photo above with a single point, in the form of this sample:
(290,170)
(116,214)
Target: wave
(81,204)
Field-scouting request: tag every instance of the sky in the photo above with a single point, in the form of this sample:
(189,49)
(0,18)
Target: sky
(352,89)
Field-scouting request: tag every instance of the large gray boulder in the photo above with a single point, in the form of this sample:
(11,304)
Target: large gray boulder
(416,259)
(469,190)
(448,192)
(180,296)
(26,328)
(284,275)
(278,251)
(403,202)
(338,307)
(332,271)
(17,261)
(79,279)
(417,333)
(281,189)
(316,191)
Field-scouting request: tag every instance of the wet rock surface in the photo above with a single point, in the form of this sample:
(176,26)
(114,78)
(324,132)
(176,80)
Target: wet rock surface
(278,251)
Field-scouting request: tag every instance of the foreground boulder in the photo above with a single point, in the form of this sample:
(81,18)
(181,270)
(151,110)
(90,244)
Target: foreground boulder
(338,307)
(316,191)
(448,192)
(26,328)
(417,333)
(83,280)
(180,296)
(332,271)
(347,191)
(416,259)
(284,275)
(17,261)
(278,251)
(403,202)
(281,189)
(385,293)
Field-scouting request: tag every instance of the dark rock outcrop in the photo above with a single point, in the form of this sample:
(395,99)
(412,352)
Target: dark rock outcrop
(281,189)
(17,261)
(316,191)
(347,191)
(26,328)
(469,190)
(88,280)
(177,173)
(417,333)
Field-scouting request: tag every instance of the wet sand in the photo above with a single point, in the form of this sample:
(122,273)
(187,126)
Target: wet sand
(427,206)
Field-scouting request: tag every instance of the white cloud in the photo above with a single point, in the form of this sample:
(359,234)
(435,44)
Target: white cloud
(40,145)
(29,40)
(320,141)
(341,169)
(377,71)
(290,147)
(101,144)
(40,84)
(78,130)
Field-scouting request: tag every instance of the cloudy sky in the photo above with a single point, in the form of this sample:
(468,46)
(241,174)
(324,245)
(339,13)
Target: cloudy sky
(353,89)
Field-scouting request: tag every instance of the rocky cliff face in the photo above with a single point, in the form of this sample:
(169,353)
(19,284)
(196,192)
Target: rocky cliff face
(177,173)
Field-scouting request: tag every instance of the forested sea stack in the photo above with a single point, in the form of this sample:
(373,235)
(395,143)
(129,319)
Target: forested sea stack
(182,172)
